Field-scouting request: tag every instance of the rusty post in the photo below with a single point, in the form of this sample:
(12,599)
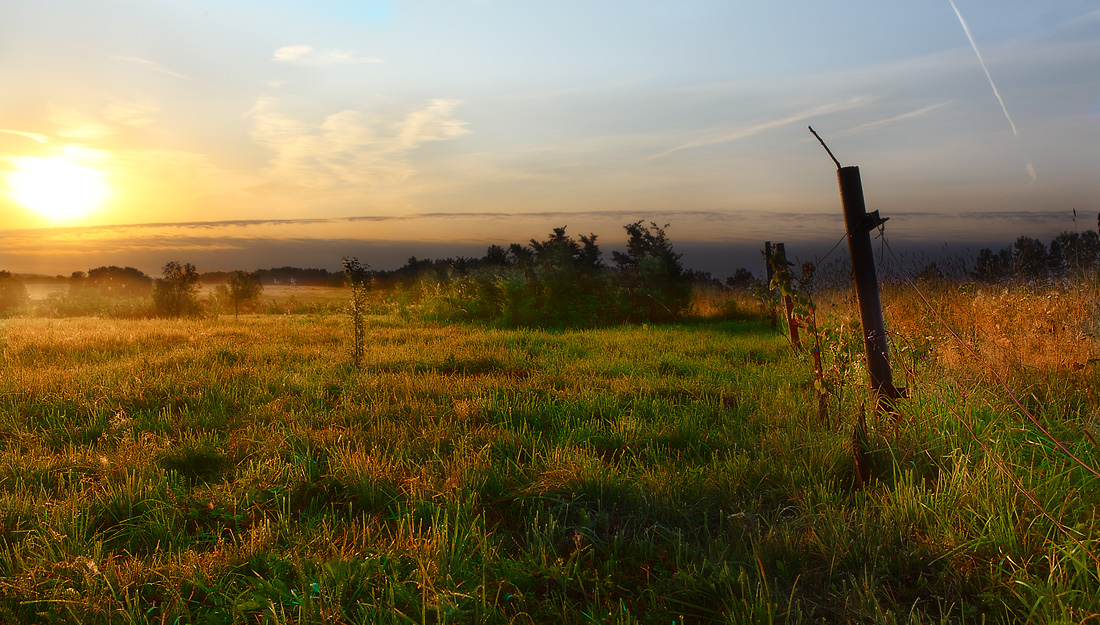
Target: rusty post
(771,274)
(792,321)
(859,225)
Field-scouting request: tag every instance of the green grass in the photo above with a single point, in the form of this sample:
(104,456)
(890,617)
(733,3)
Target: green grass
(213,471)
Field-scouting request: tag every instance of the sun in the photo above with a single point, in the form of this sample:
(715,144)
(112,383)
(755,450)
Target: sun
(57,187)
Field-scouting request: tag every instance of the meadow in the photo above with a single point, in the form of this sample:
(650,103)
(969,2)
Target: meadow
(221,470)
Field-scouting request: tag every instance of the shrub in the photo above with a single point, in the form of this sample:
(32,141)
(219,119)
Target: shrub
(359,279)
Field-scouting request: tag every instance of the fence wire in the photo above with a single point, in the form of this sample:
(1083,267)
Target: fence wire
(885,245)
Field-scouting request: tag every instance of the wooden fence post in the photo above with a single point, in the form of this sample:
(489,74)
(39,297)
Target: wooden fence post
(859,225)
(771,274)
(792,321)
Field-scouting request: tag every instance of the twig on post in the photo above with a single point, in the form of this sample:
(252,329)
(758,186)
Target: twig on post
(822,141)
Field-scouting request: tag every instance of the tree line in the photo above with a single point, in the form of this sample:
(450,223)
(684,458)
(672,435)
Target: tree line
(1069,254)
(557,281)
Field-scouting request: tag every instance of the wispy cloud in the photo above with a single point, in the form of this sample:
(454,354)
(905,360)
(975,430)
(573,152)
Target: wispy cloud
(891,120)
(302,54)
(30,135)
(553,93)
(730,136)
(156,67)
(137,113)
(77,125)
(349,147)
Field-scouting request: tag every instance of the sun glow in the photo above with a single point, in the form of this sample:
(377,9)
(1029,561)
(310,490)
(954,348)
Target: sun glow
(57,188)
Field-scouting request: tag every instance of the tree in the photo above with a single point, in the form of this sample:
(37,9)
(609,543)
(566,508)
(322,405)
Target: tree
(244,290)
(116,281)
(358,277)
(564,276)
(13,293)
(560,251)
(653,273)
(496,256)
(1030,259)
(1074,251)
(931,273)
(742,280)
(176,294)
(991,268)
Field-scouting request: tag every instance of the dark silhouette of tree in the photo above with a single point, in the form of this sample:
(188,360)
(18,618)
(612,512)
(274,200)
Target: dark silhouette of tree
(358,278)
(742,280)
(176,294)
(521,256)
(991,268)
(653,273)
(116,281)
(931,273)
(1030,259)
(461,266)
(560,251)
(299,276)
(564,277)
(1075,251)
(495,256)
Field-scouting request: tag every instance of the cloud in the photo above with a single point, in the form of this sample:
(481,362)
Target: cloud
(156,67)
(890,120)
(75,125)
(135,113)
(730,136)
(431,124)
(349,147)
(30,135)
(302,54)
(580,89)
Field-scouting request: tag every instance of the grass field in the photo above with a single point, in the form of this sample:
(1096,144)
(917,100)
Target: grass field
(217,471)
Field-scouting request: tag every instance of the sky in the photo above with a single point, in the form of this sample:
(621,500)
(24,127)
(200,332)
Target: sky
(247,134)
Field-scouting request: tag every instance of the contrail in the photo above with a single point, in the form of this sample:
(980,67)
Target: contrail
(981,61)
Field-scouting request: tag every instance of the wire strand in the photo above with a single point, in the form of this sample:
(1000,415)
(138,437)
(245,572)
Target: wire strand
(1000,379)
(830,252)
(1004,384)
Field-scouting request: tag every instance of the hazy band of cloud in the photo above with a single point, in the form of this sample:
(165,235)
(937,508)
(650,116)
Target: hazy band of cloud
(1015,217)
(714,241)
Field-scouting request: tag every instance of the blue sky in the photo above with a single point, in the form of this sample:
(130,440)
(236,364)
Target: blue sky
(260,133)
